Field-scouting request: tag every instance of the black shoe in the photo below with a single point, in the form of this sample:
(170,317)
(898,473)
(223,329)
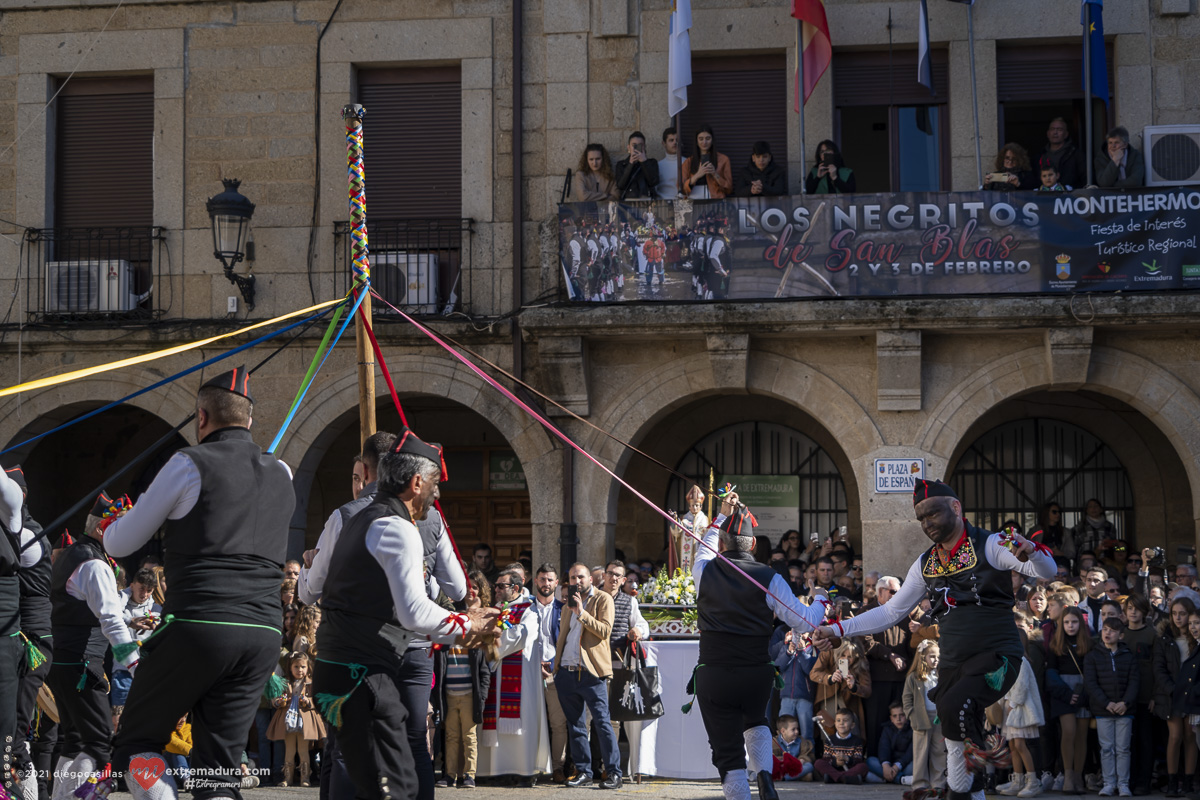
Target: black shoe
(1172,787)
(444,782)
(853,780)
(579,780)
(527,783)
(829,779)
(611,782)
(1141,791)
(766,786)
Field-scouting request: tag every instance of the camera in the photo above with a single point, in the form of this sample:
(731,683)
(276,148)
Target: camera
(826,158)
(1159,558)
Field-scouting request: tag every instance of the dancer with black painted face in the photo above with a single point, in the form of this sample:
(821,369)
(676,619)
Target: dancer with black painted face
(86,617)
(735,676)
(227,507)
(966,575)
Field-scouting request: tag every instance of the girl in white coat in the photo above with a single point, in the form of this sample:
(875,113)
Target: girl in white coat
(1023,716)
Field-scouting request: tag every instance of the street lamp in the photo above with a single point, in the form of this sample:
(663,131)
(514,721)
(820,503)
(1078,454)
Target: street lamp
(230,213)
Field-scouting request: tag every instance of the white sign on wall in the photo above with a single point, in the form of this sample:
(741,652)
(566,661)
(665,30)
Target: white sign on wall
(897,475)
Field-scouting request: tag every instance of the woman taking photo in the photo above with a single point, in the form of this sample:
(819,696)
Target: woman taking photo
(830,175)
(707,174)
(1010,172)
(594,180)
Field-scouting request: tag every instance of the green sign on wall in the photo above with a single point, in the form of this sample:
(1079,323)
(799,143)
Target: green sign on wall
(505,472)
(774,500)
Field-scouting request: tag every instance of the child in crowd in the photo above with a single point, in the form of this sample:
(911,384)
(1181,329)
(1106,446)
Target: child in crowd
(1056,603)
(1068,700)
(462,680)
(895,761)
(1111,677)
(793,754)
(1175,643)
(844,760)
(1139,638)
(929,745)
(794,662)
(307,622)
(176,753)
(1022,719)
(296,722)
(1050,182)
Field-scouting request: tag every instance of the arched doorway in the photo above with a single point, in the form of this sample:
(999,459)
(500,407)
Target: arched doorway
(1068,447)
(809,495)
(739,436)
(486,498)
(67,466)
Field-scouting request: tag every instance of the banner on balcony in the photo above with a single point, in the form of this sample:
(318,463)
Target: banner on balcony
(905,244)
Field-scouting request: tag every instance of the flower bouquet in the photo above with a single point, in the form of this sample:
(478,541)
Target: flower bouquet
(668,602)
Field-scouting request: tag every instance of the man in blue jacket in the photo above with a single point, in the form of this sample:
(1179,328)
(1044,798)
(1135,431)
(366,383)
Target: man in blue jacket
(794,662)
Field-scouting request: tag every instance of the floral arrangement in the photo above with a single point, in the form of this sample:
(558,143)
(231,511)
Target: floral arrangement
(663,589)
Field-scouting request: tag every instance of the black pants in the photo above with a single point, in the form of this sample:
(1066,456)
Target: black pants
(1141,760)
(963,694)
(875,709)
(414,683)
(216,672)
(31,681)
(732,700)
(11,650)
(373,736)
(84,714)
(335,780)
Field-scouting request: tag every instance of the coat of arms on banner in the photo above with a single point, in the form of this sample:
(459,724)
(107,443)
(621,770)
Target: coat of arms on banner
(1064,266)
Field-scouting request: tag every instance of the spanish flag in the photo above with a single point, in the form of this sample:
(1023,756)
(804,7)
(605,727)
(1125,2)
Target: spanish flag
(816,48)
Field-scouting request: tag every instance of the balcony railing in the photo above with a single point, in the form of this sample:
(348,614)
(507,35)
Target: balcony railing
(90,275)
(420,265)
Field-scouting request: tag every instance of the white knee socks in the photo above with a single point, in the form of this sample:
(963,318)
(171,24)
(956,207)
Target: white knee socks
(958,777)
(162,789)
(758,750)
(70,775)
(735,786)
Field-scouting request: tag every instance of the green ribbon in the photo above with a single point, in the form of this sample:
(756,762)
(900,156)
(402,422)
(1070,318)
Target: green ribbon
(169,618)
(275,687)
(82,675)
(995,679)
(121,651)
(33,654)
(331,704)
(691,689)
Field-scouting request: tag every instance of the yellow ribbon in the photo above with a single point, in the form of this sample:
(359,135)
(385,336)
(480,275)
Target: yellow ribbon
(65,377)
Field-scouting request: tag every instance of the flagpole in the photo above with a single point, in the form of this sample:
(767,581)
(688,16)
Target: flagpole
(800,96)
(974,94)
(1087,86)
(678,157)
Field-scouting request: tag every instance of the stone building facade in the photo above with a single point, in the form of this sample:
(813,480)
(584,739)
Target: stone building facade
(252,90)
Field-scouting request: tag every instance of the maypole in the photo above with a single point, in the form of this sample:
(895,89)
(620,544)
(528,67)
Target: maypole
(360,267)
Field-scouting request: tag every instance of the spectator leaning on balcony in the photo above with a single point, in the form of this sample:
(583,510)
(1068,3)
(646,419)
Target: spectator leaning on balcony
(668,167)
(1062,154)
(637,174)
(761,177)
(707,174)
(594,180)
(1013,164)
(830,175)
(1120,166)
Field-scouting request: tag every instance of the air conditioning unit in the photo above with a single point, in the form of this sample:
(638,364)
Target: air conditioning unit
(89,287)
(1172,154)
(408,281)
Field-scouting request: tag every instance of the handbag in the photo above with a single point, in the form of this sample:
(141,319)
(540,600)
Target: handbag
(635,692)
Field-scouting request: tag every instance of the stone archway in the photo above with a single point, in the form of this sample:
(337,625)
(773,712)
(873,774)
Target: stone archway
(1165,402)
(424,375)
(842,426)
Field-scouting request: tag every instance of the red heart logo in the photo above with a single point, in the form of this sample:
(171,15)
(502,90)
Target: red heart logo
(147,771)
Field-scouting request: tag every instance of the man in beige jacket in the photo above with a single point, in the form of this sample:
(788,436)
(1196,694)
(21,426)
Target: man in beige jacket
(583,665)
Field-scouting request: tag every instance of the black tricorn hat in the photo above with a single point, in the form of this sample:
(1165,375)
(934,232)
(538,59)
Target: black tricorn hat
(409,442)
(923,490)
(236,380)
(740,523)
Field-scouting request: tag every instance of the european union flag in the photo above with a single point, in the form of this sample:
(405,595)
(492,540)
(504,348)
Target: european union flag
(1094,36)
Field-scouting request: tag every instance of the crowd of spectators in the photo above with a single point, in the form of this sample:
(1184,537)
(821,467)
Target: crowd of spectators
(706,173)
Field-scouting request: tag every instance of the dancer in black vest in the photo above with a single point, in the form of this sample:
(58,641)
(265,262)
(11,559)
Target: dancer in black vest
(34,579)
(375,601)
(86,617)
(227,506)
(734,678)
(442,572)
(11,647)
(966,574)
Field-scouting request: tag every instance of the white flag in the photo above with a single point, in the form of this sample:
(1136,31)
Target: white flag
(679,61)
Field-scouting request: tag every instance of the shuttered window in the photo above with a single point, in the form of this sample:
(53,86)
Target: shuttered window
(413,141)
(1048,72)
(744,99)
(883,79)
(104,153)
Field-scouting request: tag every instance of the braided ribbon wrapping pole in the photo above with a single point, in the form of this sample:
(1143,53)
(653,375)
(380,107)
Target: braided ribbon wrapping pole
(360,267)
(360,261)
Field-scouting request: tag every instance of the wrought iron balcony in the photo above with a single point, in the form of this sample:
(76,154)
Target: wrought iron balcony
(94,275)
(420,265)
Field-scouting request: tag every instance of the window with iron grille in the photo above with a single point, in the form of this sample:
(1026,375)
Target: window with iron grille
(1016,468)
(766,448)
